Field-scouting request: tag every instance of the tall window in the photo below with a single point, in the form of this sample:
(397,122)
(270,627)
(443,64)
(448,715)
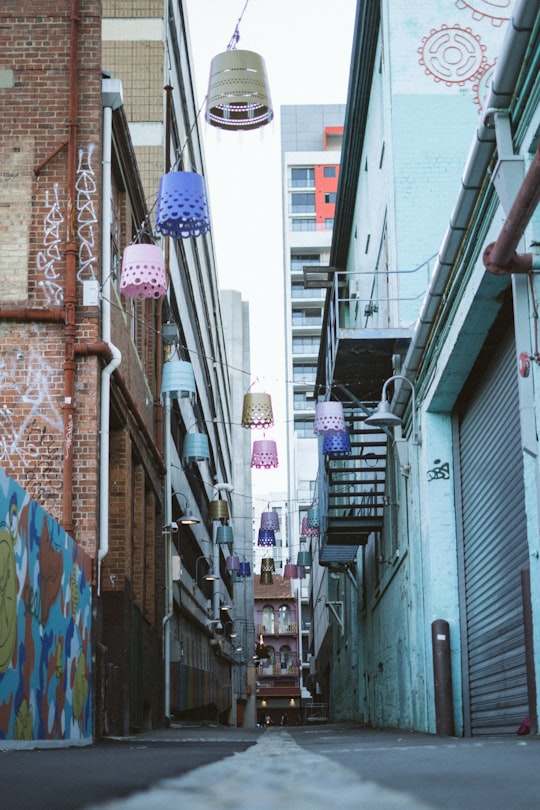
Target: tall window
(302,202)
(303,177)
(284,620)
(268,618)
(285,657)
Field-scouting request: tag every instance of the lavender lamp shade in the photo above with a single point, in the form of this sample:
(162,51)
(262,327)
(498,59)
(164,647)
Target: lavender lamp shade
(238,95)
(337,445)
(264,454)
(182,207)
(300,572)
(178,379)
(270,520)
(196,447)
(143,272)
(289,571)
(232,563)
(257,411)
(329,417)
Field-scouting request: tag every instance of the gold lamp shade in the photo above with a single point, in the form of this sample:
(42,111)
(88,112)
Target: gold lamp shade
(219,510)
(238,95)
(257,411)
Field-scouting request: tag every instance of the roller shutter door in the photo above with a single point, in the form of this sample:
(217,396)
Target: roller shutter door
(494,550)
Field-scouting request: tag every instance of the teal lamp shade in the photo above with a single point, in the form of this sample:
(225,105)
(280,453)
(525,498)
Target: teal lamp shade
(196,447)
(304,558)
(313,517)
(178,379)
(224,534)
(182,207)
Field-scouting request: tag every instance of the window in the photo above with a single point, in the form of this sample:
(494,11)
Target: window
(307,317)
(284,613)
(298,260)
(268,618)
(304,374)
(302,202)
(329,171)
(305,345)
(330,197)
(303,178)
(285,657)
(329,223)
(303,401)
(303,224)
(304,428)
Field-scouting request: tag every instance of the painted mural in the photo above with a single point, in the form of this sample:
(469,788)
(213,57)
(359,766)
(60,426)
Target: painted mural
(45,625)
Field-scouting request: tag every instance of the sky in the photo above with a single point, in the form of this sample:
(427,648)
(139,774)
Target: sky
(306,46)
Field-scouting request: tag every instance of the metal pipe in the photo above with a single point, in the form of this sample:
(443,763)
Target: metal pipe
(500,257)
(24,314)
(442,676)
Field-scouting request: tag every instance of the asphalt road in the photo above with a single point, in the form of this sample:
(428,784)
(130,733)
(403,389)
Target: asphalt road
(302,768)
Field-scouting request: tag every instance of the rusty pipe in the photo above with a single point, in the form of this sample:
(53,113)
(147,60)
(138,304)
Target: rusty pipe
(500,257)
(24,314)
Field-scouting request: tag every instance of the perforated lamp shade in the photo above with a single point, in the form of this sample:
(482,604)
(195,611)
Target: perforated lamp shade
(224,534)
(245,569)
(267,569)
(143,272)
(196,447)
(337,445)
(308,531)
(264,454)
(219,510)
(266,537)
(329,417)
(313,517)
(257,411)
(182,207)
(238,95)
(270,520)
(178,379)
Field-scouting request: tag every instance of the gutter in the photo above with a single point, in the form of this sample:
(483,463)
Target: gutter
(481,153)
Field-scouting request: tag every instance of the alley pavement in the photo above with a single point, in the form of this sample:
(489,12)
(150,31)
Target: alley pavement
(346,766)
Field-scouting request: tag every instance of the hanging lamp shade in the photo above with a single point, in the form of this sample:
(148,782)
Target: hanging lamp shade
(178,379)
(300,572)
(264,454)
(329,417)
(182,207)
(245,569)
(143,272)
(232,563)
(308,531)
(337,445)
(219,510)
(257,411)
(266,578)
(224,535)
(238,93)
(303,558)
(313,517)
(270,520)
(196,447)
(289,571)
(267,564)
(266,537)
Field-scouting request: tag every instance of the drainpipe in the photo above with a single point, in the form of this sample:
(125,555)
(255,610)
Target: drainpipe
(112,99)
(167,529)
(70,294)
(500,257)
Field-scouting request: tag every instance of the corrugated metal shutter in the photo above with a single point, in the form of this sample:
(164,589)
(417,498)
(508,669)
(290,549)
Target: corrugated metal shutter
(494,550)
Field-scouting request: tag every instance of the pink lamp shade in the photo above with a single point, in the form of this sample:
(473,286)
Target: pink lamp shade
(329,417)
(308,531)
(289,571)
(264,454)
(270,520)
(143,272)
(182,207)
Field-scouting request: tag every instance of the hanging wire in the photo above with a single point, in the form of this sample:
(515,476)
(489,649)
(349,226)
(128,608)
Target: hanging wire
(236,35)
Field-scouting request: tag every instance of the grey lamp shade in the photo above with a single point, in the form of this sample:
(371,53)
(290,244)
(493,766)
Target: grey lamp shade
(178,379)
(182,207)
(238,94)
(196,447)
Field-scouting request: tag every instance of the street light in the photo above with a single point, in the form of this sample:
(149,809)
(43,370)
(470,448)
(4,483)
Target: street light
(383,416)
(188,518)
(210,576)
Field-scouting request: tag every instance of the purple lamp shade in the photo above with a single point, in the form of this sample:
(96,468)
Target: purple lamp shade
(182,207)
(290,571)
(270,520)
(232,563)
(264,454)
(329,417)
(143,272)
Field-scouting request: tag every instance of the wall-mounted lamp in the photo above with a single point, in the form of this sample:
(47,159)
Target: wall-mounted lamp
(223,605)
(383,416)
(187,519)
(210,576)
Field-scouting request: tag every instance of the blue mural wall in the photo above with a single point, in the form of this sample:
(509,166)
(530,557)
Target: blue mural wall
(45,625)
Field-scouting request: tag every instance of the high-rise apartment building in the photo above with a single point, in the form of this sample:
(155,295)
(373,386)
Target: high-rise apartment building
(311,138)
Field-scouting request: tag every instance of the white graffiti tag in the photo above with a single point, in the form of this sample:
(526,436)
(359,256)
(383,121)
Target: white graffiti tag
(86,215)
(48,259)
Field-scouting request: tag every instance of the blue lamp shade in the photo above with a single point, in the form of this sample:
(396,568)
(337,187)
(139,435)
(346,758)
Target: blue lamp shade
(313,517)
(196,447)
(178,379)
(182,207)
(266,537)
(224,534)
(270,520)
(337,445)
(245,569)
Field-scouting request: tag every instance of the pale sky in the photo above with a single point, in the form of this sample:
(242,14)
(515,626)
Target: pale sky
(306,46)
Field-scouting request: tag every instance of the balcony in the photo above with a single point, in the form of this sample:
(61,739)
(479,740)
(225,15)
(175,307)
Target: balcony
(280,629)
(272,670)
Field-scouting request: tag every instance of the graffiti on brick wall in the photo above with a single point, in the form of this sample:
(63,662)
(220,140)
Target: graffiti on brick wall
(45,625)
(49,260)
(86,214)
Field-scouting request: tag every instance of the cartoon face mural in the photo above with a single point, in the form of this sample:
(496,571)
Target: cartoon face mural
(45,625)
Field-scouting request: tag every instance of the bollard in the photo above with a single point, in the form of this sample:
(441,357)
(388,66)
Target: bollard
(442,674)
